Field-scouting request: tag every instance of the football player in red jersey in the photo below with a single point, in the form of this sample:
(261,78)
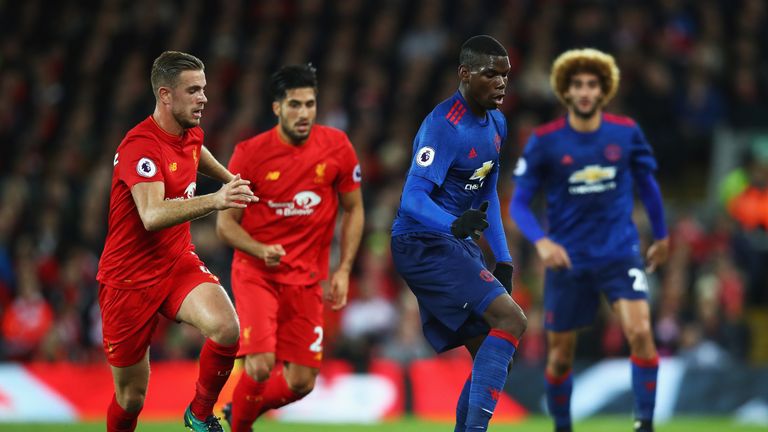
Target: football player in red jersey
(148,264)
(301,171)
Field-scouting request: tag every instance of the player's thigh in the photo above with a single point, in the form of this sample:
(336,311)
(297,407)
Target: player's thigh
(128,319)
(571,299)
(208,308)
(300,325)
(257,304)
(195,297)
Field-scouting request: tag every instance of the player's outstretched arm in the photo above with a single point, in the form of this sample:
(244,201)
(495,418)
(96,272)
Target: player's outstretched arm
(210,167)
(157,213)
(352,221)
(230,231)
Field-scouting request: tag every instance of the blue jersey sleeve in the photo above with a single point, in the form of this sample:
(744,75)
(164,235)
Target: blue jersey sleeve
(434,150)
(417,204)
(642,159)
(520,210)
(530,169)
(650,195)
(495,234)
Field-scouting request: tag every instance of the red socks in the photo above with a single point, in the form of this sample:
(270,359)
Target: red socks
(120,420)
(216,363)
(277,393)
(246,403)
(251,398)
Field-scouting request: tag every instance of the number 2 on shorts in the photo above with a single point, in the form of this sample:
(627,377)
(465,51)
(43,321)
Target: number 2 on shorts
(317,345)
(640,282)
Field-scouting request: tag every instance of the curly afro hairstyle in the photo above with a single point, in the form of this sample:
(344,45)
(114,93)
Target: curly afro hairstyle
(586,60)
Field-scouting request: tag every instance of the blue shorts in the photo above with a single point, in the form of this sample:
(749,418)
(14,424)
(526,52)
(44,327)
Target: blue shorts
(571,297)
(450,281)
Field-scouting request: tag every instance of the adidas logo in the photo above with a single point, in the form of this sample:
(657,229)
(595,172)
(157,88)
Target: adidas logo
(472,153)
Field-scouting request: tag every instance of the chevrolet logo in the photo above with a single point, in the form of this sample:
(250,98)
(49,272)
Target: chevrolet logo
(272,175)
(591,174)
(483,171)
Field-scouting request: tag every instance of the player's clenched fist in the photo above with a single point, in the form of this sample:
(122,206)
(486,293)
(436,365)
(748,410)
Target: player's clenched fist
(471,223)
(271,254)
(552,254)
(235,194)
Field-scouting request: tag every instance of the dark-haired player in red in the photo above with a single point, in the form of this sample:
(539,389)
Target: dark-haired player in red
(301,172)
(148,264)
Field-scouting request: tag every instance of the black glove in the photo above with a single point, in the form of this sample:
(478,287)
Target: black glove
(503,273)
(471,223)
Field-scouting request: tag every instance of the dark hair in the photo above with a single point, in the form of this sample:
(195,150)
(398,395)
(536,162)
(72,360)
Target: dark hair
(292,77)
(169,65)
(477,47)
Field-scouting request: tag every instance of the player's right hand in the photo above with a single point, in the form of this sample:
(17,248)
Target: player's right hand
(471,223)
(235,194)
(271,254)
(552,254)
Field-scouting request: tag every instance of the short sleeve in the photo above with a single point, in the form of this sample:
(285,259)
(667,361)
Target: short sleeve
(350,175)
(139,161)
(434,150)
(530,168)
(237,164)
(641,153)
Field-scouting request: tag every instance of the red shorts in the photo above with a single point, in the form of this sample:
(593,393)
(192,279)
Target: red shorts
(276,318)
(129,316)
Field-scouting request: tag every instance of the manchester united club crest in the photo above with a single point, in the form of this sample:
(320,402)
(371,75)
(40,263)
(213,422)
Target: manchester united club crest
(612,152)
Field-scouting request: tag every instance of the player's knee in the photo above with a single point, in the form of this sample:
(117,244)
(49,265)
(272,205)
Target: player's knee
(131,398)
(515,323)
(227,332)
(559,366)
(259,367)
(639,334)
(302,383)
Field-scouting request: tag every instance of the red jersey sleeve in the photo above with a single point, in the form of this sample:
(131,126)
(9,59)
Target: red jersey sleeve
(238,163)
(139,162)
(350,175)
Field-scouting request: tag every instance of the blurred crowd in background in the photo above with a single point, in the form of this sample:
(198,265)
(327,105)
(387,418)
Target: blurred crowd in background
(74,78)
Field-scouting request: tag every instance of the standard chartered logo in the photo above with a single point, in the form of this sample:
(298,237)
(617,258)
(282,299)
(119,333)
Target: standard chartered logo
(592,179)
(303,204)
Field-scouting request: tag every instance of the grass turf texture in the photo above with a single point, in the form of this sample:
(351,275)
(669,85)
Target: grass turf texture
(534,424)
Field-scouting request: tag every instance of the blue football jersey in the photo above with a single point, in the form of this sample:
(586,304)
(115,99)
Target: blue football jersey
(457,151)
(588,181)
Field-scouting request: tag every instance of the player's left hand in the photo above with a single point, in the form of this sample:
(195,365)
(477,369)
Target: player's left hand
(337,293)
(657,254)
(503,273)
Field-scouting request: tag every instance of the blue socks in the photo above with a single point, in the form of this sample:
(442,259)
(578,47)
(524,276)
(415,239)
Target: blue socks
(489,374)
(559,391)
(462,406)
(644,373)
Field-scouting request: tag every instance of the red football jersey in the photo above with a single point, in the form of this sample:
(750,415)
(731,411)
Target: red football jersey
(133,256)
(298,189)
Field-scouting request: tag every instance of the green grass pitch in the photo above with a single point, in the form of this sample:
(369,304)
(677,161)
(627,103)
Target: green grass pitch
(534,424)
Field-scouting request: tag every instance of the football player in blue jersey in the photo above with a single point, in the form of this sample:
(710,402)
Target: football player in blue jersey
(448,200)
(589,163)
